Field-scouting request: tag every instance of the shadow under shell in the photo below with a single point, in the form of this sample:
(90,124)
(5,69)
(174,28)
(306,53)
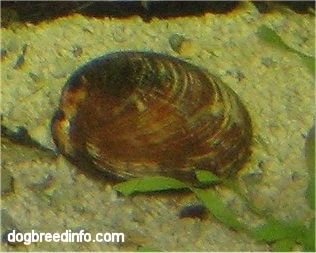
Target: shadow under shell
(135,114)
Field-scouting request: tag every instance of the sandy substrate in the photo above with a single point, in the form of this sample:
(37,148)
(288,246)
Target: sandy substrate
(50,195)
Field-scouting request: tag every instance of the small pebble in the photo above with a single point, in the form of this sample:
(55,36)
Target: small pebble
(19,62)
(34,77)
(24,48)
(119,34)
(237,74)
(181,45)
(175,41)
(46,182)
(253,178)
(77,50)
(194,211)
(268,62)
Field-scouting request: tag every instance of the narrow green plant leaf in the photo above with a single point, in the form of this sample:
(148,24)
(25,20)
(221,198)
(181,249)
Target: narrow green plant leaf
(149,184)
(310,149)
(308,240)
(310,161)
(233,185)
(205,176)
(310,192)
(275,230)
(284,245)
(268,35)
(309,62)
(218,209)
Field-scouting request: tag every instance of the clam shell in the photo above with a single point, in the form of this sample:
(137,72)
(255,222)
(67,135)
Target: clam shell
(135,114)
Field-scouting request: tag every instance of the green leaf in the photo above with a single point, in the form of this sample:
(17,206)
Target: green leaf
(310,149)
(308,240)
(310,161)
(233,185)
(149,184)
(268,35)
(218,209)
(309,62)
(284,245)
(205,176)
(275,230)
(310,193)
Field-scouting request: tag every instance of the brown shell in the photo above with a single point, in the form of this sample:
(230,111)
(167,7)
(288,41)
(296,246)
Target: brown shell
(135,114)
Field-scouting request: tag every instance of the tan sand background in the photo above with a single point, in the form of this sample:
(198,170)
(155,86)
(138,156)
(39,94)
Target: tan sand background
(50,195)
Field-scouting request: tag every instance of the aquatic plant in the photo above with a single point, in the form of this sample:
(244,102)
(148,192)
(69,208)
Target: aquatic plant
(282,235)
(270,36)
(310,161)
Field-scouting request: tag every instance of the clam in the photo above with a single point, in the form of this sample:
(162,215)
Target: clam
(135,114)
